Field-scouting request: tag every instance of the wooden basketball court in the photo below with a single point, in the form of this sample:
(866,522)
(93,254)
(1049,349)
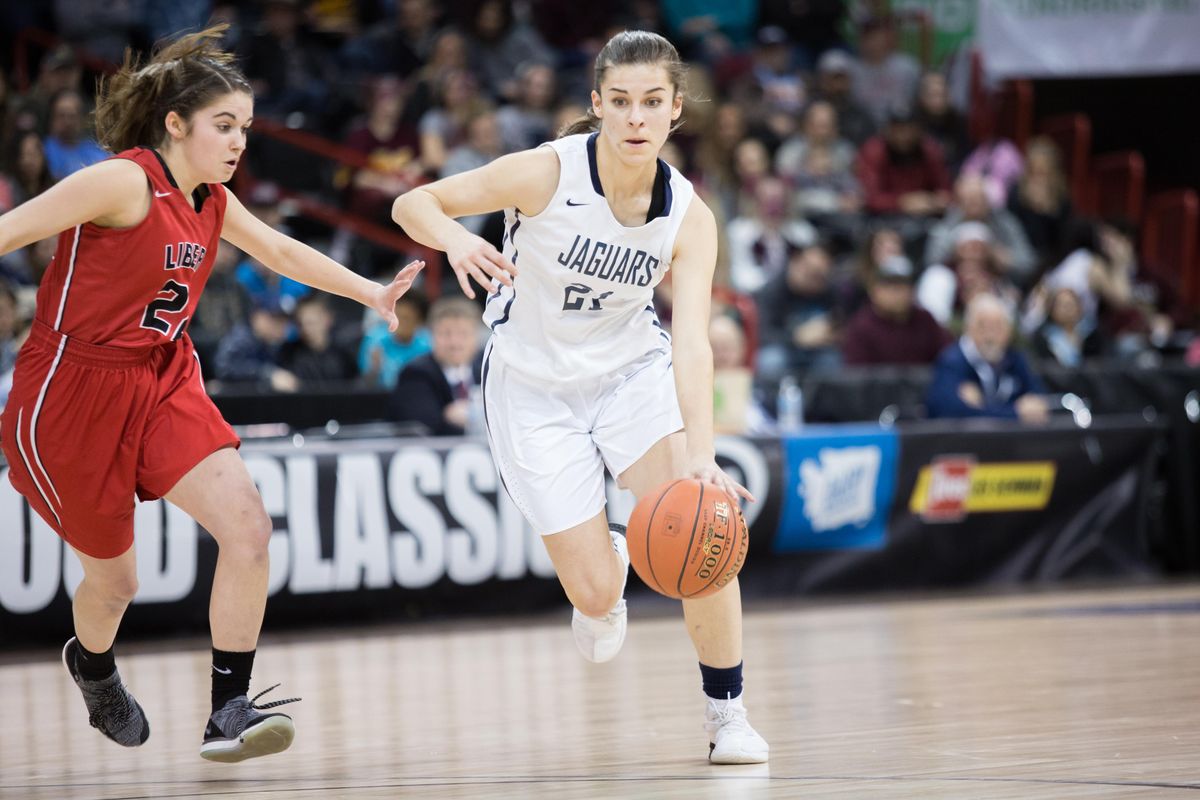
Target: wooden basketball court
(1064,695)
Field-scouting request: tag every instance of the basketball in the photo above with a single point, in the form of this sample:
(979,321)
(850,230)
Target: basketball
(687,539)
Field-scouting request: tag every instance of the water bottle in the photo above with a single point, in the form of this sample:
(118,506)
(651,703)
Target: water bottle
(791,405)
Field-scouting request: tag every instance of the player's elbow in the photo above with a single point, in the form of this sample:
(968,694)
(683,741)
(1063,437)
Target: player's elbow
(404,207)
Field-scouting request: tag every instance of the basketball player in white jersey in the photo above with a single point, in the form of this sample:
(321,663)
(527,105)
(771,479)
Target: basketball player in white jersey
(579,374)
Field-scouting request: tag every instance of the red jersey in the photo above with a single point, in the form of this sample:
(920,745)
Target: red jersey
(133,287)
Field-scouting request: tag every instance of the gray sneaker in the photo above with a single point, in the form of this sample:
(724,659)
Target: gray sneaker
(237,730)
(111,708)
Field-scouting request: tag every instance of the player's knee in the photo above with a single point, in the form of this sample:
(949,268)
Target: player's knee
(118,590)
(596,599)
(256,538)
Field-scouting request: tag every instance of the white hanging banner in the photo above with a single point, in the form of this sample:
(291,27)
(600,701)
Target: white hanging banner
(1060,38)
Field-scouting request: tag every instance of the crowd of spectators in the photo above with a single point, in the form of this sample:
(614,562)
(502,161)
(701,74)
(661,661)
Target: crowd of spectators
(853,206)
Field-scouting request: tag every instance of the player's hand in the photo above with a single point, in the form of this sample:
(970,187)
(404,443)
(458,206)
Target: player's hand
(473,258)
(386,295)
(707,470)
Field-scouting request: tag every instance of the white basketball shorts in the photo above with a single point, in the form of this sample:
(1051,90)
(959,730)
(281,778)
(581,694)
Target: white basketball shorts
(552,442)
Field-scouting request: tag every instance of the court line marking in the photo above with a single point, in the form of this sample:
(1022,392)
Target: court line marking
(434,782)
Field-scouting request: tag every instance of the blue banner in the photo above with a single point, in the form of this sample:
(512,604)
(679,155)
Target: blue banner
(838,487)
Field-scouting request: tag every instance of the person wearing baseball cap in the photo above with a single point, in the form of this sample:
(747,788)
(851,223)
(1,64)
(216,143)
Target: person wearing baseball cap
(892,328)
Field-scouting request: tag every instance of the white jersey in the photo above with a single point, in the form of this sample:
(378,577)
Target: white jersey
(582,305)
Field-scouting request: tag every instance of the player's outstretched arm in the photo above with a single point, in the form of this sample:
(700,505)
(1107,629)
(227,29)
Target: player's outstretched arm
(113,193)
(525,181)
(692,268)
(300,262)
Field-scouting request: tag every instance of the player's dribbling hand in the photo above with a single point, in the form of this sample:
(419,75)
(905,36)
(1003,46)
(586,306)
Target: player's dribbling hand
(473,257)
(386,296)
(708,471)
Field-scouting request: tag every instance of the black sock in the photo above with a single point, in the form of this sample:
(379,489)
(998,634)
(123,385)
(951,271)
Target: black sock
(94,666)
(722,684)
(230,675)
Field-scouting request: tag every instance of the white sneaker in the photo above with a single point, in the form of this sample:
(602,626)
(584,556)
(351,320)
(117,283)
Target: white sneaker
(600,639)
(731,740)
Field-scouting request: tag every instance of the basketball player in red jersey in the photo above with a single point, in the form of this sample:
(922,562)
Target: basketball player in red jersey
(107,398)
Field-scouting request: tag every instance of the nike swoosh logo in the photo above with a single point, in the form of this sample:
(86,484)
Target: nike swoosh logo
(222,671)
(575,204)
(162,194)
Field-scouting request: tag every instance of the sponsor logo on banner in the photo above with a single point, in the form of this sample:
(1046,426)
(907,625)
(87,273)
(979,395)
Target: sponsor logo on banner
(839,491)
(952,487)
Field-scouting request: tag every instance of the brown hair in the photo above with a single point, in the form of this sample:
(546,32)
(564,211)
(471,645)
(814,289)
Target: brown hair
(632,47)
(186,75)
(452,308)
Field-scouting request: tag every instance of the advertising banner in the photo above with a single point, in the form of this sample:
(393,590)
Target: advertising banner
(976,503)
(376,529)
(838,488)
(1072,38)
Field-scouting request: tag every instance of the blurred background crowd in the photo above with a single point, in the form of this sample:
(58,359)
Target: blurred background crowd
(869,214)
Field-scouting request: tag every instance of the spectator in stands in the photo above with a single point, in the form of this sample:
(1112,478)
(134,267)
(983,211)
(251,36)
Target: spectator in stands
(882,76)
(444,127)
(798,316)
(751,164)
(26,166)
(482,146)
(11,329)
(714,155)
(761,241)
(707,30)
(288,66)
(736,409)
(314,356)
(58,71)
(1100,270)
(891,328)
(1065,338)
(834,86)
(998,163)
(226,305)
(942,120)
(776,80)
(1010,248)
(103,28)
(527,121)
(396,46)
(500,44)
(384,353)
(902,170)
(449,54)
(1154,311)
(820,166)
(7,107)
(819,132)
(265,286)
(436,389)
(980,375)
(392,148)
(972,267)
(249,352)
(1041,201)
(67,147)
(853,284)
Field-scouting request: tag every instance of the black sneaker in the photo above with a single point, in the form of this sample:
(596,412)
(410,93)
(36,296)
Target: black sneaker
(236,731)
(111,708)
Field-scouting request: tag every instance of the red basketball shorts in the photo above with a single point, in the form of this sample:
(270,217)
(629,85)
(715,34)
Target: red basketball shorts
(87,427)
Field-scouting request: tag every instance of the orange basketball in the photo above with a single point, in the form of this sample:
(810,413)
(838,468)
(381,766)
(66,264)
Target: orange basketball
(687,539)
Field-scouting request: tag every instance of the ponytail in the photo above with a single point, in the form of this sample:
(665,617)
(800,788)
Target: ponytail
(186,75)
